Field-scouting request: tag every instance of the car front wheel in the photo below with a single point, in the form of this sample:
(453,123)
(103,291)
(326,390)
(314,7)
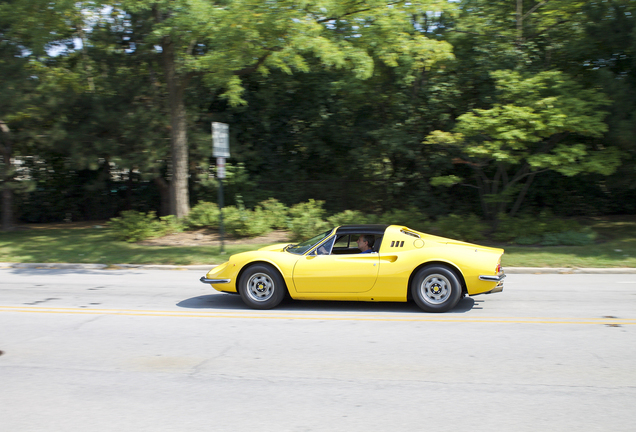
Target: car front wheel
(262,287)
(436,289)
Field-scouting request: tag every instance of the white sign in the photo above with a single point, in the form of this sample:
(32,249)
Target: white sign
(220,140)
(220,167)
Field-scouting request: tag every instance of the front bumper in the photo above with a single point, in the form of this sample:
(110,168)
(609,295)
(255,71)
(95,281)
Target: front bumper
(214,281)
(498,278)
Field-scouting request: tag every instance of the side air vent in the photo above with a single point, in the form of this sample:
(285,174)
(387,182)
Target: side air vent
(397,244)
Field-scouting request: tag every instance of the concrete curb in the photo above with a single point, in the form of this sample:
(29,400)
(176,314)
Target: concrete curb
(562,270)
(62,266)
(69,266)
(508,270)
(161,267)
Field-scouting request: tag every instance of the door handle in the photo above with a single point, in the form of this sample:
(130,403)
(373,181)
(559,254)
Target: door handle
(389,258)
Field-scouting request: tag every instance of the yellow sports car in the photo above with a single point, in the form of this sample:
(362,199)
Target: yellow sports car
(365,263)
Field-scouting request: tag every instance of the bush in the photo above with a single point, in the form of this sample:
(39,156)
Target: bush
(523,227)
(274,213)
(204,215)
(528,240)
(543,230)
(171,225)
(410,217)
(570,238)
(239,222)
(467,228)
(348,217)
(307,219)
(135,226)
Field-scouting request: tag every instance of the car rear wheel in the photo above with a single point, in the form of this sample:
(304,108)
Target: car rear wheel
(262,287)
(436,288)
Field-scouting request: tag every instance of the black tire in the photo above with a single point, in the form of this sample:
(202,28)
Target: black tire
(436,288)
(262,287)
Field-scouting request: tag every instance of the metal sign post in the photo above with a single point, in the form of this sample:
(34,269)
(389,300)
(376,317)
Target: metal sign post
(220,150)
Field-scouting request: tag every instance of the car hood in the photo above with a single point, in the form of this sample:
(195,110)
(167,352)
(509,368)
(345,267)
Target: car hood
(275,248)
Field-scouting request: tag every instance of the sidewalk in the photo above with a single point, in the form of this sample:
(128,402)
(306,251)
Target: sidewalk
(206,267)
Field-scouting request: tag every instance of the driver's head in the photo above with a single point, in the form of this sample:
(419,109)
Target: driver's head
(365,241)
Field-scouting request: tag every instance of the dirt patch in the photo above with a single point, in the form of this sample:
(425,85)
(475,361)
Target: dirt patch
(200,237)
(62,225)
(208,238)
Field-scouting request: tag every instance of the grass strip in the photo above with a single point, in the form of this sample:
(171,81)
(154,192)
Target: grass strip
(616,248)
(94,245)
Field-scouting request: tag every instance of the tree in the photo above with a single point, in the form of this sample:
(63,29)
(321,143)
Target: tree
(117,118)
(27,29)
(225,41)
(606,55)
(527,106)
(539,122)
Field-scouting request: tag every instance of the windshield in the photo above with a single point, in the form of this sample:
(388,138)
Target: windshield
(303,247)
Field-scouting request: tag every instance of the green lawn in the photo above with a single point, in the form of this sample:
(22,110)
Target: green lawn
(97,245)
(610,254)
(616,247)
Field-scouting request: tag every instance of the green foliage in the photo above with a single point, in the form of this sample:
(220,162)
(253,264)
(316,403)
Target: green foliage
(530,227)
(539,122)
(307,219)
(543,230)
(349,217)
(447,181)
(410,217)
(467,228)
(547,87)
(569,238)
(133,226)
(171,224)
(239,222)
(274,213)
(527,240)
(204,215)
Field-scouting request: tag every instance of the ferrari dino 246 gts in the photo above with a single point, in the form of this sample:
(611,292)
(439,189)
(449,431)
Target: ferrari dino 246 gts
(401,264)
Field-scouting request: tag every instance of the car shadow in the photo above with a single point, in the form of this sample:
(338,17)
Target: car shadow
(234,302)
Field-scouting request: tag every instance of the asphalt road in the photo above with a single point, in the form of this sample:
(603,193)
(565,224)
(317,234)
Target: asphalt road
(142,350)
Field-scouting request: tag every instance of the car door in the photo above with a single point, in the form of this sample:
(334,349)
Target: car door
(344,273)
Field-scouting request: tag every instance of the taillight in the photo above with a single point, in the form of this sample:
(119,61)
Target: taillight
(499,269)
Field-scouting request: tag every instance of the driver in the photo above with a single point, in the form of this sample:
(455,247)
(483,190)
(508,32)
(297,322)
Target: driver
(365,243)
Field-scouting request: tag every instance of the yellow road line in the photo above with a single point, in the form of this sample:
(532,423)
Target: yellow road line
(322,317)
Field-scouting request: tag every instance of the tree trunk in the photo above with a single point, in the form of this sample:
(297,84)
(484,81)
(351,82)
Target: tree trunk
(179,195)
(7,209)
(164,194)
(522,195)
(519,19)
(482,188)
(7,193)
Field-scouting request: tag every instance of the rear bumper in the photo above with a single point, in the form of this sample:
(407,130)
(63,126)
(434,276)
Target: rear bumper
(498,278)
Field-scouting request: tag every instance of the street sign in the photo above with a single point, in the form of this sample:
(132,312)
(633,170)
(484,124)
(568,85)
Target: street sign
(220,140)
